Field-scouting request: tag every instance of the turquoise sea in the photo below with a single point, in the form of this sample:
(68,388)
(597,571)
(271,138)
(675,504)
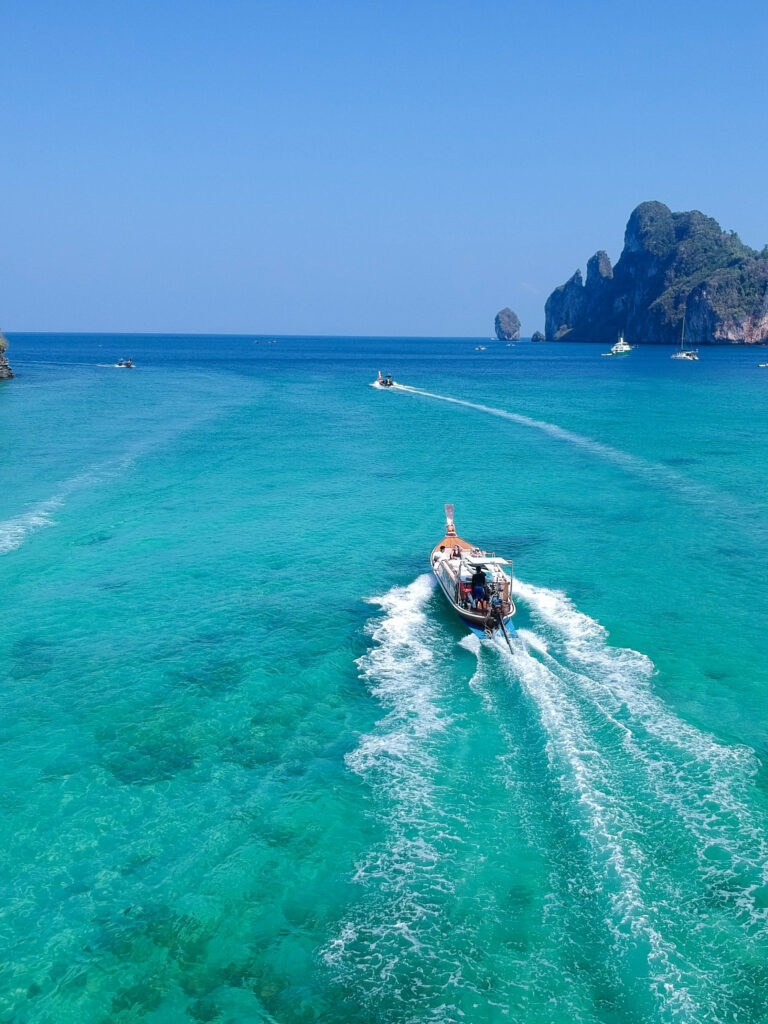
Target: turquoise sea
(252,768)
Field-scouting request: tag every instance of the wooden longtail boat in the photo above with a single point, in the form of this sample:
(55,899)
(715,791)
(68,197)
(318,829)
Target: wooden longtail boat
(474,582)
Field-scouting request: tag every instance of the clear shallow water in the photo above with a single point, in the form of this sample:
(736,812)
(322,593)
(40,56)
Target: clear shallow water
(253,770)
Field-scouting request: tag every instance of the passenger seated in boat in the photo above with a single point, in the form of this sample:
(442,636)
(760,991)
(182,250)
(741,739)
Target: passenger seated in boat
(479,590)
(465,595)
(456,552)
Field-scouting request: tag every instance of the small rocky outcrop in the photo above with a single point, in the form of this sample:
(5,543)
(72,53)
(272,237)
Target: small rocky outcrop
(537,336)
(507,325)
(674,267)
(5,370)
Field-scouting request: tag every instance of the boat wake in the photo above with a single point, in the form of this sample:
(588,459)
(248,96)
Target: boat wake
(649,829)
(402,878)
(631,463)
(678,857)
(14,531)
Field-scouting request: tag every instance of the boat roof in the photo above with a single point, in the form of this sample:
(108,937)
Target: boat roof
(486,560)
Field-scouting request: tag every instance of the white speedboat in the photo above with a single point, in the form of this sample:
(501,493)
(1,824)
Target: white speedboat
(474,582)
(763,365)
(479,348)
(621,348)
(384,382)
(124,364)
(691,354)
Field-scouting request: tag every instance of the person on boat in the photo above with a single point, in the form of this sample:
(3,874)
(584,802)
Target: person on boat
(478,590)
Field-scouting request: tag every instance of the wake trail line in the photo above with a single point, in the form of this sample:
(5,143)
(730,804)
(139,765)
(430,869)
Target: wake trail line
(631,463)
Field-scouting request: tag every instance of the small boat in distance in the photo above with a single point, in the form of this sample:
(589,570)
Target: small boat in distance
(621,348)
(124,364)
(474,583)
(479,348)
(762,364)
(384,382)
(691,354)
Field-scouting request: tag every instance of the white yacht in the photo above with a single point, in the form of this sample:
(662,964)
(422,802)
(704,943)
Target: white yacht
(621,348)
(474,582)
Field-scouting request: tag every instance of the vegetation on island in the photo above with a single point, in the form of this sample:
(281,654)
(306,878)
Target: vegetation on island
(674,267)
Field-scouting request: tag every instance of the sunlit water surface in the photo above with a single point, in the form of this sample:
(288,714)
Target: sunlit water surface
(253,770)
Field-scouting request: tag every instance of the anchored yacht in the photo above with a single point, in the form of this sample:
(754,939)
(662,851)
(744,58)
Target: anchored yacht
(621,348)
(474,582)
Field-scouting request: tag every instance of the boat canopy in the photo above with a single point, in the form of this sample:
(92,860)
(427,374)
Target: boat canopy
(486,560)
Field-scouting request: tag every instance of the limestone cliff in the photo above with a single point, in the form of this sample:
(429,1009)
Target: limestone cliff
(507,325)
(673,266)
(5,370)
(537,336)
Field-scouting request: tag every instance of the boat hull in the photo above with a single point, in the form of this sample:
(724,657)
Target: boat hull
(475,621)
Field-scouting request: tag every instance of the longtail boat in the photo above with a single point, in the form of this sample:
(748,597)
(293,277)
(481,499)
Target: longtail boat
(474,582)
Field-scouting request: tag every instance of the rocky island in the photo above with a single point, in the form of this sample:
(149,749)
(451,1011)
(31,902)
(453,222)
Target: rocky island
(5,370)
(507,325)
(674,266)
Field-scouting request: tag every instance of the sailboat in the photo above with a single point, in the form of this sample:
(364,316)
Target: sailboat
(691,354)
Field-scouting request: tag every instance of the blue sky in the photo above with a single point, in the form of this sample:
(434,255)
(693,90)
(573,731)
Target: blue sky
(356,167)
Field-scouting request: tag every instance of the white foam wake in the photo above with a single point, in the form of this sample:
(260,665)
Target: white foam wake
(15,530)
(631,463)
(401,878)
(631,765)
(705,783)
(608,829)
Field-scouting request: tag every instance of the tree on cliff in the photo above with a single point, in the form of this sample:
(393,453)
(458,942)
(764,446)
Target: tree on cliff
(673,266)
(507,325)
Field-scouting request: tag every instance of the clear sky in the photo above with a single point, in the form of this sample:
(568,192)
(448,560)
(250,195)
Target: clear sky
(357,167)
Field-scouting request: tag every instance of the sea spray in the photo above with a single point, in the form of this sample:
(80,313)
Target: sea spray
(626,756)
(704,782)
(403,875)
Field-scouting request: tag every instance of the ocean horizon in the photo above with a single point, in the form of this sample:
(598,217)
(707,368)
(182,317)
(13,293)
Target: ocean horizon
(254,767)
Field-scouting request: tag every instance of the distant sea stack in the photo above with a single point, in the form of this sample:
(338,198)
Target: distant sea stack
(507,325)
(5,370)
(674,266)
(537,336)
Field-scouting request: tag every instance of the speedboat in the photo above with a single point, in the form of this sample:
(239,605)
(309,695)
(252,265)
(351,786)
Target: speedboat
(479,348)
(621,348)
(763,365)
(384,382)
(124,364)
(455,562)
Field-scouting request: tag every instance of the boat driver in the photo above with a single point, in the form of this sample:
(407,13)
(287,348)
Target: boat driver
(478,590)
